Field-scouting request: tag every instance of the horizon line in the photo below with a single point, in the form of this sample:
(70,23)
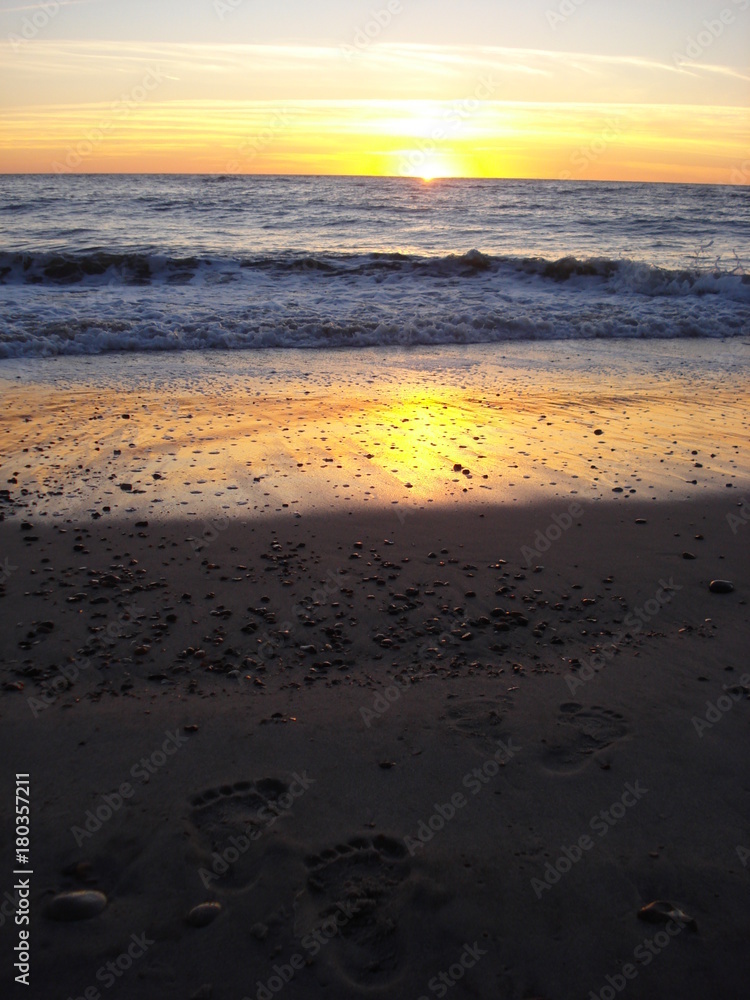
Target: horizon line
(390,177)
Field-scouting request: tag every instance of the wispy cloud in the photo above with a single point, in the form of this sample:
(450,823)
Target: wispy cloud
(386,71)
(687,67)
(42,6)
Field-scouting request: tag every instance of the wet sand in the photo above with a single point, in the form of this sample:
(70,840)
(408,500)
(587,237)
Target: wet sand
(468,738)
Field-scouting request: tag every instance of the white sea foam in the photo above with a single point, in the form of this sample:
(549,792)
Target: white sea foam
(432,303)
(96,264)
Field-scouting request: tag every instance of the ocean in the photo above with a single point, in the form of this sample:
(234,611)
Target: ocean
(97,264)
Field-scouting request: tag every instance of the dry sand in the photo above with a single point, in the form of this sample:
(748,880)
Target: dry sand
(392,742)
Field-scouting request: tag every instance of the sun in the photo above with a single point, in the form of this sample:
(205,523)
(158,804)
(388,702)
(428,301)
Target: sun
(429,167)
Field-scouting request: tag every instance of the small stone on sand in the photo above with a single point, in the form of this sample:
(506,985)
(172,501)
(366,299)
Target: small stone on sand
(661,911)
(721,587)
(82,904)
(203,914)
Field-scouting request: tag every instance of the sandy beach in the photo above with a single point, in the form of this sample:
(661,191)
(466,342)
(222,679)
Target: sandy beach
(412,732)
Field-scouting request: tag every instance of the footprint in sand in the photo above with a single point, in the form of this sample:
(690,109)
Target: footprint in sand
(235,820)
(585,732)
(360,888)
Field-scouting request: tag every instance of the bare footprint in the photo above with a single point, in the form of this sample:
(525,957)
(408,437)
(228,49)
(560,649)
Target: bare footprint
(351,907)
(586,731)
(232,821)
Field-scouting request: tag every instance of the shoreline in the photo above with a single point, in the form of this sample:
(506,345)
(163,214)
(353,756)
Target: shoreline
(238,436)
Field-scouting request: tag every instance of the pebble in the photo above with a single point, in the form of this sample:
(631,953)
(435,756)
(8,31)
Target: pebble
(83,904)
(688,555)
(721,587)
(203,914)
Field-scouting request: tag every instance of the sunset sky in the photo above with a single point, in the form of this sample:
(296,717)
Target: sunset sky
(580,89)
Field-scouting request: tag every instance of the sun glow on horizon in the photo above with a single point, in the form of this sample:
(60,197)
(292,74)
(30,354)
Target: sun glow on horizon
(501,139)
(174,115)
(166,109)
(428,167)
